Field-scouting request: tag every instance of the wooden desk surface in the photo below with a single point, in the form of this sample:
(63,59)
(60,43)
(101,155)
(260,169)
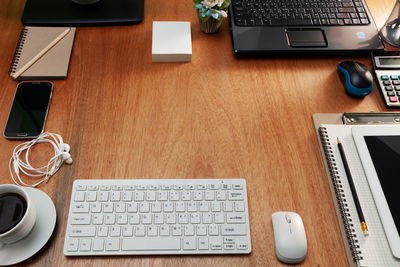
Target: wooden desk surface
(218,116)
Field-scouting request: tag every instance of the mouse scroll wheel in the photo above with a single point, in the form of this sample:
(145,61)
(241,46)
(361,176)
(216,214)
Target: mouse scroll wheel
(288,219)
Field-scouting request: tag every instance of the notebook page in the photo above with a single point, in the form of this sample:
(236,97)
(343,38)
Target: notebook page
(375,250)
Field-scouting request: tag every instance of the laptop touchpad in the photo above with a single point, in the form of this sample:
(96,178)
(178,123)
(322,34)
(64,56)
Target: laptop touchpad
(306,37)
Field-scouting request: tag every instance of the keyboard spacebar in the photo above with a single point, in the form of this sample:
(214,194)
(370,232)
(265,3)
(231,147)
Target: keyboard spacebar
(165,243)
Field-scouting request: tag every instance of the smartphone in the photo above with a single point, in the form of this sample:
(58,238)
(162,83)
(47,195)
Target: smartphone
(29,110)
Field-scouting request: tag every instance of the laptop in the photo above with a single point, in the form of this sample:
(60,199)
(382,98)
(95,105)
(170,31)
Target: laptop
(273,26)
(68,13)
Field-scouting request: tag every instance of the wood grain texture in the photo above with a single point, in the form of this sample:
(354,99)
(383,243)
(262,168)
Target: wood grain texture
(218,116)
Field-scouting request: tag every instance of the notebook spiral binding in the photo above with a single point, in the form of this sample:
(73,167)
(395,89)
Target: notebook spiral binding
(18,51)
(341,198)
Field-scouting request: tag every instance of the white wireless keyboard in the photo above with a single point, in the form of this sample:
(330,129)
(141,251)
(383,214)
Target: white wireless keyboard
(158,216)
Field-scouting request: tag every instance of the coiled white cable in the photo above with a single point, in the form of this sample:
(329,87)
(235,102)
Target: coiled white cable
(61,154)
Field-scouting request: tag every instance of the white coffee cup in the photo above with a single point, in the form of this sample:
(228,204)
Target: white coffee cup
(27,222)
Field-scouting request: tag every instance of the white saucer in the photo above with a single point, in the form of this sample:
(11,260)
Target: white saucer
(40,234)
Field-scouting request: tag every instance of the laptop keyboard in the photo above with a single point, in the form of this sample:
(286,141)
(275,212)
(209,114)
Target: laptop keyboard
(299,12)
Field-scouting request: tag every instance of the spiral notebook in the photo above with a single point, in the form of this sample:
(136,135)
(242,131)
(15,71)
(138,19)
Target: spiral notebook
(42,53)
(371,250)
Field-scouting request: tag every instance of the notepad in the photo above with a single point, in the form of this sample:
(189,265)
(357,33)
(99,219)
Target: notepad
(372,250)
(172,41)
(44,52)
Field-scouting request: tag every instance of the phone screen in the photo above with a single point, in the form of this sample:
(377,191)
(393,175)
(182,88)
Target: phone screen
(29,110)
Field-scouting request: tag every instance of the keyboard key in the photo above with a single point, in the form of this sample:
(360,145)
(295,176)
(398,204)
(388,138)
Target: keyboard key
(237,186)
(216,243)
(85,244)
(189,243)
(80,231)
(203,243)
(95,207)
(164,230)
(235,218)
(133,218)
(386,83)
(79,196)
(80,219)
(102,231)
(229,246)
(239,206)
(127,231)
(109,219)
(189,230)
(390,94)
(81,187)
(98,244)
(80,208)
(105,187)
(112,244)
(103,196)
(237,229)
(152,230)
(91,196)
(201,230)
(97,219)
(127,196)
(93,187)
(144,244)
(241,245)
(235,195)
(140,230)
(72,244)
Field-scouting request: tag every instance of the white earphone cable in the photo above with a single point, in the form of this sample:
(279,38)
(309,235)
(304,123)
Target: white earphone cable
(17,165)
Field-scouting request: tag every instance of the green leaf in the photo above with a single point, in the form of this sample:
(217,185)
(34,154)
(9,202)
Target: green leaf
(225,5)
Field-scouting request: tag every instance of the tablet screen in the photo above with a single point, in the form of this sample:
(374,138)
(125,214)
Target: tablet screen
(385,155)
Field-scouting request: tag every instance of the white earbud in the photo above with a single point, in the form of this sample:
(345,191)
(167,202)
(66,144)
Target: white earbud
(66,147)
(67,157)
(19,160)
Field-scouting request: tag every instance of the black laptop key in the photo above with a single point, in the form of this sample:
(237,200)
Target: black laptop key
(347,22)
(324,21)
(346,9)
(316,22)
(363,15)
(240,22)
(347,4)
(250,22)
(342,15)
(281,22)
(333,21)
(364,21)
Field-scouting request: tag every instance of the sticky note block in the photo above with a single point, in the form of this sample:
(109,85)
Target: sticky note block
(172,41)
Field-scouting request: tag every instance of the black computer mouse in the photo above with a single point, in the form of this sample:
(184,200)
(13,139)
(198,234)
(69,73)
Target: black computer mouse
(356,78)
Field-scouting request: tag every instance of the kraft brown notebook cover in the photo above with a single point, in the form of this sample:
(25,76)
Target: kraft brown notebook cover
(54,62)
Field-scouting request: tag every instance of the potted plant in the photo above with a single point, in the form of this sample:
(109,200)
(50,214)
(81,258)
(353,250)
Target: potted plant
(211,13)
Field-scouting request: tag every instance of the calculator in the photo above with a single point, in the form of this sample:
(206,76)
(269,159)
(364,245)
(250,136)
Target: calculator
(387,73)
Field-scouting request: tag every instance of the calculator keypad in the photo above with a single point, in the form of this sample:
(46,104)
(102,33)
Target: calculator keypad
(389,84)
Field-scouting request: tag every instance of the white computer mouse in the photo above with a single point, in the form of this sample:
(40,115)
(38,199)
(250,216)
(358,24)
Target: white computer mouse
(290,237)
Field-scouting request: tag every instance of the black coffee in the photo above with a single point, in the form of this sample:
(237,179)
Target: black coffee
(12,210)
